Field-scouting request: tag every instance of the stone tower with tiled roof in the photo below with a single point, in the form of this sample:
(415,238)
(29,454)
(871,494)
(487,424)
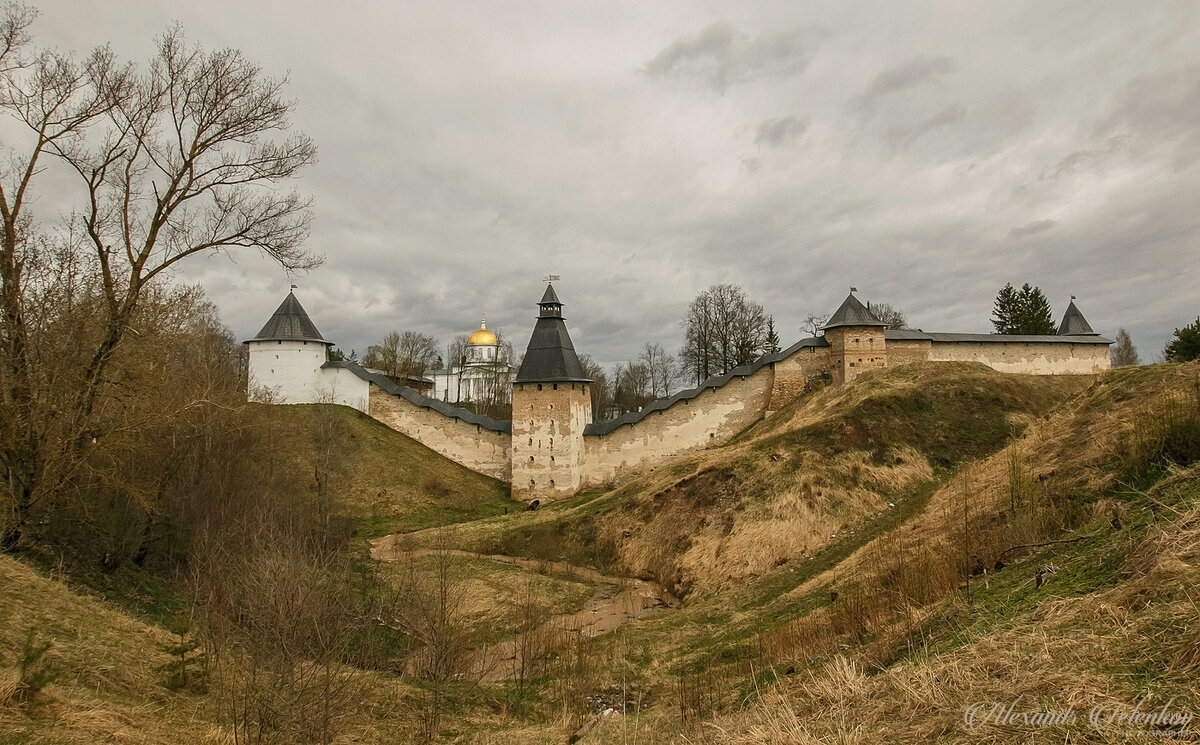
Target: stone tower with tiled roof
(551,405)
(855,338)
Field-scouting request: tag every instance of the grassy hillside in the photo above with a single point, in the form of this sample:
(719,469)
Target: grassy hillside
(387,481)
(860,568)
(829,465)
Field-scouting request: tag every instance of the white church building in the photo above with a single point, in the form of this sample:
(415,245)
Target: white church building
(484,373)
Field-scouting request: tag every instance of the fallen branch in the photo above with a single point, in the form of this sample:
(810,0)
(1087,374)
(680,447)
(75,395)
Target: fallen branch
(1047,543)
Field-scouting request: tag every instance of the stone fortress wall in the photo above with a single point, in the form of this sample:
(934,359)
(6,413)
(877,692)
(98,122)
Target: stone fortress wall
(552,450)
(707,416)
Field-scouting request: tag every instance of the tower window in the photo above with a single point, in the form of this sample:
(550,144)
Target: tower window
(539,386)
(530,483)
(531,442)
(531,459)
(551,458)
(552,483)
(551,407)
(555,388)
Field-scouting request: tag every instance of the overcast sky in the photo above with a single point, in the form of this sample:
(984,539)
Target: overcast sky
(926,153)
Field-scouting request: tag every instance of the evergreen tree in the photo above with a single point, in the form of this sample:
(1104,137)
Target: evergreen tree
(1124,354)
(1004,314)
(1024,311)
(1185,347)
(1035,315)
(771,345)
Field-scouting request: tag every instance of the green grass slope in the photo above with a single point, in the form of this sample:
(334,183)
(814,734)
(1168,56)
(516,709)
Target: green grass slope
(387,481)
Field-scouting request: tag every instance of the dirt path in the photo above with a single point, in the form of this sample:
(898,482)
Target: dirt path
(615,601)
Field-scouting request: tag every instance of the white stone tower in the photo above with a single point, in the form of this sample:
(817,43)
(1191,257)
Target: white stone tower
(286,358)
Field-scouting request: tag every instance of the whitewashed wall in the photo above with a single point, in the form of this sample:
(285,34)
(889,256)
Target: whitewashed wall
(290,372)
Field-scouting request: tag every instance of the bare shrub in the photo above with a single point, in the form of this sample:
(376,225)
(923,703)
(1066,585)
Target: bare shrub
(433,597)
(28,674)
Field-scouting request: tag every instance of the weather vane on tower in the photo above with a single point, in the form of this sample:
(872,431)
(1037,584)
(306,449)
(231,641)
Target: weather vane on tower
(552,277)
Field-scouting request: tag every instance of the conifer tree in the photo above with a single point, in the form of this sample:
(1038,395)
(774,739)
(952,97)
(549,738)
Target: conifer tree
(1024,311)
(1005,310)
(1185,347)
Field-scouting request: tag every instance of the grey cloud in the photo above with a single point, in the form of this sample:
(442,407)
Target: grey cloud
(1087,159)
(901,137)
(910,73)
(1033,228)
(778,132)
(459,167)
(1160,109)
(720,56)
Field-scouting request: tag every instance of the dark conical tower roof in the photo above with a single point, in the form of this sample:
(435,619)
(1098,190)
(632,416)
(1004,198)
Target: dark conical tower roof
(852,313)
(290,323)
(1074,324)
(550,357)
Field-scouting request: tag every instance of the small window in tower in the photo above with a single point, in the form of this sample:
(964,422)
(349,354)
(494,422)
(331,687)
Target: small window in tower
(551,458)
(551,483)
(531,442)
(530,422)
(279,342)
(539,386)
(551,443)
(551,407)
(530,483)
(531,459)
(856,341)
(272,371)
(276,356)
(556,386)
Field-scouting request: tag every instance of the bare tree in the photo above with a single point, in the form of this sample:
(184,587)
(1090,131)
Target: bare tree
(893,317)
(723,329)
(813,323)
(1124,354)
(185,157)
(599,389)
(534,640)
(631,386)
(403,355)
(456,350)
(435,619)
(662,369)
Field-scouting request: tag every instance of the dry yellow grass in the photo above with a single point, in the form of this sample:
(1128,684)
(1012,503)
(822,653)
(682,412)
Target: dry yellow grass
(1066,653)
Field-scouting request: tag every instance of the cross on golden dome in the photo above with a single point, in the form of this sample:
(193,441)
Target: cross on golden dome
(482,337)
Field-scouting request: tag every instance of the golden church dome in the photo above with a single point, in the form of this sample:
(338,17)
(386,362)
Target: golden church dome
(482,337)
